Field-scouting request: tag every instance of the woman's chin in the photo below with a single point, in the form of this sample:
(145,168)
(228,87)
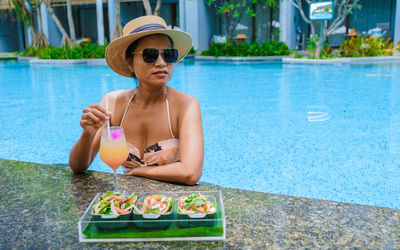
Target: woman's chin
(160,80)
(159,83)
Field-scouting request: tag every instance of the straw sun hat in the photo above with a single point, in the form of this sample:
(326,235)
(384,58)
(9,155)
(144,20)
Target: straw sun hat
(138,28)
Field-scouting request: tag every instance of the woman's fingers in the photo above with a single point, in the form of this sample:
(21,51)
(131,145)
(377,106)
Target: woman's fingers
(98,107)
(100,114)
(94,117)
(86,123)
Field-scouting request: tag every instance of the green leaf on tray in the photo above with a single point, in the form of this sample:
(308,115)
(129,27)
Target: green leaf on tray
(92,232)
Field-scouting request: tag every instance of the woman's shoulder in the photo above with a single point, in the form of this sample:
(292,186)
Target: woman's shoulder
(119,96)
(181,102)
(180,98)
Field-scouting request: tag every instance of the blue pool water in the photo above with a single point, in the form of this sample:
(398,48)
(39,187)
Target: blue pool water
(327,132)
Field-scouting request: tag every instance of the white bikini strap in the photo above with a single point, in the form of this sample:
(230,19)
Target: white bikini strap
(169,119)
(127,107)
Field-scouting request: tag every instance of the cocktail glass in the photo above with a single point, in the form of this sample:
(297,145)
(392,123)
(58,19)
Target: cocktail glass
(113,149)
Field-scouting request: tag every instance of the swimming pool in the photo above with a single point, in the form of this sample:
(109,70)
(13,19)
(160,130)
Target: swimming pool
(327,132)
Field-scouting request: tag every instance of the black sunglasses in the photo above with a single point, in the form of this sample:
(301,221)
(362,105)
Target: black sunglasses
(150,55)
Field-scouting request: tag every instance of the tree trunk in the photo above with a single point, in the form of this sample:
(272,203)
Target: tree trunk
(147,7)
(39,40)
(228,28)
(30,22)
(71,21)
(117,24)
(65,37)
(318,50)
(157,9)
(39,9)
(253,24)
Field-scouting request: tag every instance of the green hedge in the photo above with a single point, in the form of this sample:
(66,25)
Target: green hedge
(83,51)
(269,48)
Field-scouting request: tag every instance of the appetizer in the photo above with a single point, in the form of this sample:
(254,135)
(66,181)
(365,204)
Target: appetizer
(195,203)
(156,204)
(114,203)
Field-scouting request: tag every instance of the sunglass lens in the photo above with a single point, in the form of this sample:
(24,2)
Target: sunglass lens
(170,55)
(150,55)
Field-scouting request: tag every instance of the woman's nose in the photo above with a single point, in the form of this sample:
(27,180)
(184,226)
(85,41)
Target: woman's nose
(160,61)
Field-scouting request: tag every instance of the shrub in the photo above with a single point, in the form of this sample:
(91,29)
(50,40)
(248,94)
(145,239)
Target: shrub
(82,51)
(297,55)
(269,48)
(366,46)
(327,52)
(192,51)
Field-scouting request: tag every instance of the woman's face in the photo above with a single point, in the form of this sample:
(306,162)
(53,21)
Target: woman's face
(157,73)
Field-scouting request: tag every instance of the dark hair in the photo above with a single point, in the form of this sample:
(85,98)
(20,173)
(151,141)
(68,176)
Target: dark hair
(131,48)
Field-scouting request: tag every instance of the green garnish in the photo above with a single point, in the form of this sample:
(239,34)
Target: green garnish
(102,197)
(196,202)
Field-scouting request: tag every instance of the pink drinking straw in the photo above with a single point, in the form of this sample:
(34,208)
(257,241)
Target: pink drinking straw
(108,121)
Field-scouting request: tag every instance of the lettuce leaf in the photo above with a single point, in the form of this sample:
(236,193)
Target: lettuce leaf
(102,197)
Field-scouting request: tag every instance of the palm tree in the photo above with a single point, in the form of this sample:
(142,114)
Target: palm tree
(39,40)
(22,12)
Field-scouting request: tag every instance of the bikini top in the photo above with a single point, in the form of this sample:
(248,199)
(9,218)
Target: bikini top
(160,153)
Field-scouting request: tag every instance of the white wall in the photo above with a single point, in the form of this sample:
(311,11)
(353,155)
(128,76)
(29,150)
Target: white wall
(195,17)
(287,23)
(396,34)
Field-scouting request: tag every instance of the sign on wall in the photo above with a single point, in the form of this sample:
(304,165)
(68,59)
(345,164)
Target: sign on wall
(321,10)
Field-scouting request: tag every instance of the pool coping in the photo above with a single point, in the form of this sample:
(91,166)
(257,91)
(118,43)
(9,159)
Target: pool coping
(8,57)
(239,58)
(342,60)
(276,59)
(91,61)
(259,220)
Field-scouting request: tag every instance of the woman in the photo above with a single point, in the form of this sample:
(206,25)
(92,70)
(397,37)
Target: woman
(162,125)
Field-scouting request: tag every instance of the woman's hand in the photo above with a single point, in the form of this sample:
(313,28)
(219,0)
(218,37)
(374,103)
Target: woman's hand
(93,118)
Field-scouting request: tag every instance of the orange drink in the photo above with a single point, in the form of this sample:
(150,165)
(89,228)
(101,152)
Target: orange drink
(113,153)
(113,149)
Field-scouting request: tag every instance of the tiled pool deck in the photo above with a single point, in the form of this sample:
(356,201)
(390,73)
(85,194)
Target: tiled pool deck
(41,206)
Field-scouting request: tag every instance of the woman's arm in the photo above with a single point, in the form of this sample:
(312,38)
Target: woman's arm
(93,119)
(191,151)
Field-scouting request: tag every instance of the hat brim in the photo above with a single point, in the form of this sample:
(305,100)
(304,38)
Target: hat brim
(115,51)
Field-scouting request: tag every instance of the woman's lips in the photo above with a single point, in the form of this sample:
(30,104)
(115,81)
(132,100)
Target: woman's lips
(161,73)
